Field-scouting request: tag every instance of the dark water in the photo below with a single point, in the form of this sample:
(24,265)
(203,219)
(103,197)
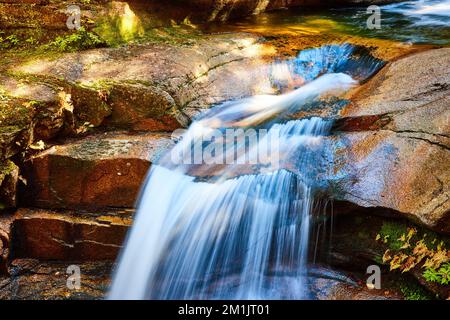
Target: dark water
(418,22)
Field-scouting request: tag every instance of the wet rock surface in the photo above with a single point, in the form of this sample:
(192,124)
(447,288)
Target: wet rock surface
(394,153)
(5,241)
(225,9)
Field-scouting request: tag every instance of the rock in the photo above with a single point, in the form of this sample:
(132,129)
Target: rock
(33,110)
(103,170)
(167,84)
(87,108)
(9,175)
(31,279)
(332,284)
(67,235)
(395,152)
(143,108)
(31,14)
(353,246)
(16,126)
(5,236)
(39,102)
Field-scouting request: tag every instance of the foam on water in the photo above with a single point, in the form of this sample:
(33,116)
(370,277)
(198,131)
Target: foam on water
(189,236)
(424,12)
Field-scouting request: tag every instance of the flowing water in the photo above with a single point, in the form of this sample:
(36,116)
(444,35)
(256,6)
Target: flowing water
(416,22)
(238,229)
(236,225)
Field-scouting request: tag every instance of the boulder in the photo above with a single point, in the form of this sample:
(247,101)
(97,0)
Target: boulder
(67,235)
(393,148)
(161,86)
(102,170)
(16,126)
(32,110)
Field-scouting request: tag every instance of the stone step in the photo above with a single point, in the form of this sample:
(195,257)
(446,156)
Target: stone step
(102,170)
(68,235)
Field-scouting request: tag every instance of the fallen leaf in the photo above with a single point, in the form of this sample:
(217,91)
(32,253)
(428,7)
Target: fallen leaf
(387,256)
(409,264)
(39,145)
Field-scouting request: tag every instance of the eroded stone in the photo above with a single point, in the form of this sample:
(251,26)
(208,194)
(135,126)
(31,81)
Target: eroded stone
(66,235)
(104,170)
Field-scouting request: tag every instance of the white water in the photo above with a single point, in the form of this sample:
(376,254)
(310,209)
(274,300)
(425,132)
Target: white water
(425,12)
(245,237)
(235,231)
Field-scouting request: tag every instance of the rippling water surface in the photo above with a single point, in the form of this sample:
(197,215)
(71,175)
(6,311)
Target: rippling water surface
(418,22)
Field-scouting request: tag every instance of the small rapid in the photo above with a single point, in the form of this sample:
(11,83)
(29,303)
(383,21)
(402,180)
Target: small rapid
(234,229)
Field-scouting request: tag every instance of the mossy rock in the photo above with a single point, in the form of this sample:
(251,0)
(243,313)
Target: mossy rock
(9,174)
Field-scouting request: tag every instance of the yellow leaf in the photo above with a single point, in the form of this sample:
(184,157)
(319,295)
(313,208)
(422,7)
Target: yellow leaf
(397,261)
(411,233)
(40,145)
(421,250)
(387,256)
(378,237)
(406,245)
(409,264)
(437,259)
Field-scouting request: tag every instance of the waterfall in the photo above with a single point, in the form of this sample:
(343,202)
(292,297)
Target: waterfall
(234,230)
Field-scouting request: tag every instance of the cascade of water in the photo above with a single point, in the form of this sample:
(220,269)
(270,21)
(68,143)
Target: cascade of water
(243,234)
(201,233)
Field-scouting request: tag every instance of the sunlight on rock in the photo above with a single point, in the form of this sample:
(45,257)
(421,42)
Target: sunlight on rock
(261,6)
(130,25)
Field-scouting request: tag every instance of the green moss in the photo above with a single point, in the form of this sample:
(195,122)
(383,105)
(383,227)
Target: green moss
(8,42)
(378,259)
(413,291)
(111,29)
(6,167)
(391,232)
(441,275)
(79,40)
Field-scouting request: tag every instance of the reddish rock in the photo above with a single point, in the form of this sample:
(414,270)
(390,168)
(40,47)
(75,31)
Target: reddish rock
(104,170)
(163,86)
(396,153)
(142,108)
(36,110)
(31,15)
(67,235)
(16,126)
